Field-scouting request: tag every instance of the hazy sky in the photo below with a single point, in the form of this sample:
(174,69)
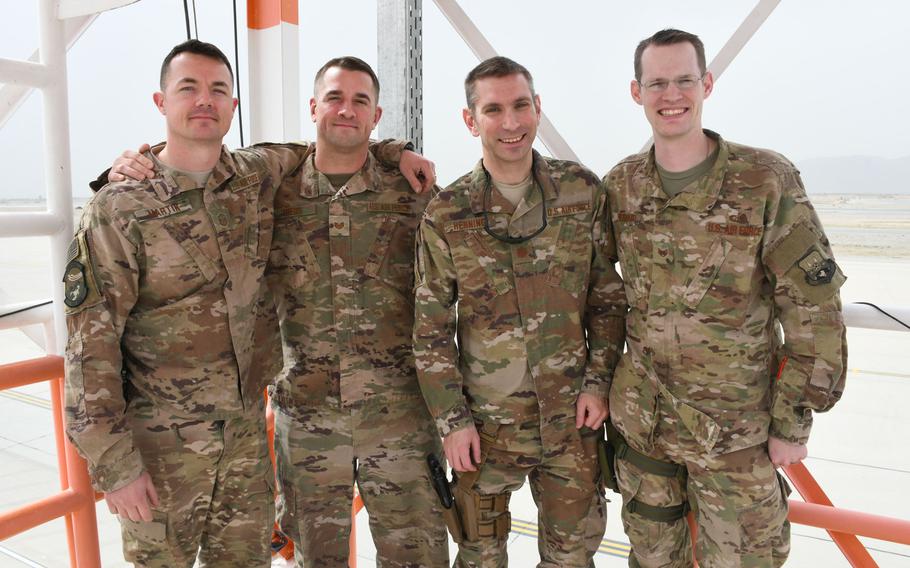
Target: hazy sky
(818,79)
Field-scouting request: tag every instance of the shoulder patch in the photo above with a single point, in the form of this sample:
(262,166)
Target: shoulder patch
(80,287)
(819,270)
(159,212)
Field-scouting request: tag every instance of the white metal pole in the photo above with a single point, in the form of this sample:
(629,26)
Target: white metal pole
(274,46)
(57,169)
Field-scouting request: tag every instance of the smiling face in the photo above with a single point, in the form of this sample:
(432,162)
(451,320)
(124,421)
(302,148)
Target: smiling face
(196,101)
(674,114)
(344,110)
(505,116)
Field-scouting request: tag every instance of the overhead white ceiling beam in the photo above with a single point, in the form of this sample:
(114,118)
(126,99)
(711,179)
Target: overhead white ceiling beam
(75,8)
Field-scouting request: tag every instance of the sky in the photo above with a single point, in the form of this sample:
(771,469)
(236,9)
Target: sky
(819,79)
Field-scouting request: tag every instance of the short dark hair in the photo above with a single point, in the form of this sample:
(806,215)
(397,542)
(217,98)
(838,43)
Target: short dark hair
(350,63)
(670,36)
(497,66)
(199,48)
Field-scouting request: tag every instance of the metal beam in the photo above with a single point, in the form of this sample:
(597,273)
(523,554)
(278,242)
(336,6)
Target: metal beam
(76,8)
(24,73)
(400,69)
(12,96)
(482,48)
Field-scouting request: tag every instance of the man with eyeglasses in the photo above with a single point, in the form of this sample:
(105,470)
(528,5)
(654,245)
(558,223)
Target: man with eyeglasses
(516,259)
(734,334)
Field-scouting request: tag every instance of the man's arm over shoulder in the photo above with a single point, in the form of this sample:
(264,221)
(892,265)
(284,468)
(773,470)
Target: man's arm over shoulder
(800,265)
(435,351)
(100,288)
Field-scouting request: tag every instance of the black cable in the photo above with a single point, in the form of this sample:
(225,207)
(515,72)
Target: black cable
(237,75)
(25,309)
(883,312)
(195,21)
(186,17)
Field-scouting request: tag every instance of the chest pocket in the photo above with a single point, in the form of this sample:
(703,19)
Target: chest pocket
(181,233)
(291,257)
(480,273)
(571,260)
(390,258)
(636,267)
(719,284)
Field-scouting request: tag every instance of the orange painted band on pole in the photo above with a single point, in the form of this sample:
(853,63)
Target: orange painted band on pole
(30,371)
(264,14)
(850,522)
(33,514)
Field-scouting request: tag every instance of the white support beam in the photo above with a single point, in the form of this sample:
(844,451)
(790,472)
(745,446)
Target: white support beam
(24,73)
(861,315)
(29,224)
(76,8)
(12,96)
(741,36)
(482,48)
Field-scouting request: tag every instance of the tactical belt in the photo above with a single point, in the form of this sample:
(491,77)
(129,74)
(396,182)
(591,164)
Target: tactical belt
(623,451)
(643,462)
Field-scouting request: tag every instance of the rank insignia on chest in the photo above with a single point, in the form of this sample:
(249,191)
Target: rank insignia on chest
(819,270)
(75,286)
(339,226)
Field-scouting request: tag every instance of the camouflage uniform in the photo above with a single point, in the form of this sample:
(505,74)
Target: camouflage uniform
(714,277)
(522,314)
(347,403)
(172,339)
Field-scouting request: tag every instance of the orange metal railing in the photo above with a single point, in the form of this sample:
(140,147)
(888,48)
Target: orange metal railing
(76,500)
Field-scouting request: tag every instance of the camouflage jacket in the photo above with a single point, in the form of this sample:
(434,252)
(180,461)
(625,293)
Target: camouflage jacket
(342,269)
(536,322)
(164,297)
(713,276)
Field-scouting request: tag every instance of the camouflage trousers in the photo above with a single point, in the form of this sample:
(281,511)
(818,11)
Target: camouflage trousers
(214,482)
(565,484)
(383,447)
(739,502)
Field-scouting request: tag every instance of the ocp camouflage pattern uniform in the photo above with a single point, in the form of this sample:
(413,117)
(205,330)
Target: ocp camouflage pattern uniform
(172,339)
(347,403)
(715,277)
(537,323)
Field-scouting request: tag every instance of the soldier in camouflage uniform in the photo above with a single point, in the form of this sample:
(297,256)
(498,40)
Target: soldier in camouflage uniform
(172,335)
(347,404)
(516,260)
(734,335)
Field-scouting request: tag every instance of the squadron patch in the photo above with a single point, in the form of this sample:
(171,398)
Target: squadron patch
(819,270)
(75,285)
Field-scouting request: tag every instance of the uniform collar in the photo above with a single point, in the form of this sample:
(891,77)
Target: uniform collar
(316,183)
(170,182)
(541,176)
(700,197)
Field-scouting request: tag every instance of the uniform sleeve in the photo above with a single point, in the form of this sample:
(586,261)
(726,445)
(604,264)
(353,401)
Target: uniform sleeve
(435,351)
(282,159)
(389,151)
(806,281)
(606,307)
(100,285)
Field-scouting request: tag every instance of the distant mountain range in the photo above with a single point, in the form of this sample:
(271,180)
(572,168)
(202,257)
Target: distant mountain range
(856,174)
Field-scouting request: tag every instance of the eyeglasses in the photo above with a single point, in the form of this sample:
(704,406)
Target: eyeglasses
(684,83)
